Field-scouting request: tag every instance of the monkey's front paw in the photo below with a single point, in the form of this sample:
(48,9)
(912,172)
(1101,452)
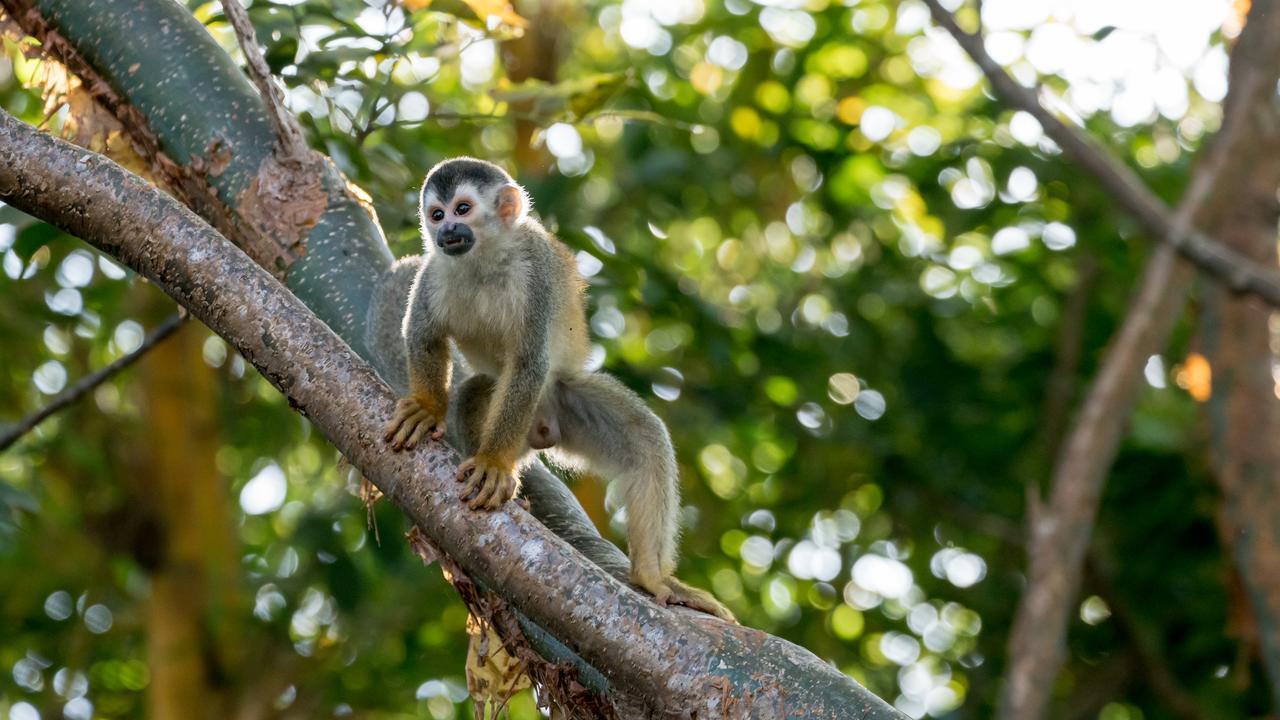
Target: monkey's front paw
(490,482)
(412,422)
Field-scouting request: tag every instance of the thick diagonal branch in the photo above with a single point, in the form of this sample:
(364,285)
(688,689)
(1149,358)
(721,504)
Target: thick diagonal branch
(1225,265)
(224,160)
(685,663)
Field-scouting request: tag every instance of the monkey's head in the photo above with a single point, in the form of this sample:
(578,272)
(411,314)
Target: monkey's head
(466,202)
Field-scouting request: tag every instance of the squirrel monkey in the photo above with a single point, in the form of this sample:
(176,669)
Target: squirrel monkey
(510,297)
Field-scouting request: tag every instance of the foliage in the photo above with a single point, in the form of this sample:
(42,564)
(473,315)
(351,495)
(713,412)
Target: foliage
(836,267)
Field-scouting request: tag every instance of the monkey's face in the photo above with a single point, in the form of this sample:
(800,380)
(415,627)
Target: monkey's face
(450,221)
(468,204)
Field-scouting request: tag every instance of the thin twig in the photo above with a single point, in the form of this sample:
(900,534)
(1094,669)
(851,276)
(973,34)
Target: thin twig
(1061,389)
(288,133)
(86,384)
(642,116)
(1228,267)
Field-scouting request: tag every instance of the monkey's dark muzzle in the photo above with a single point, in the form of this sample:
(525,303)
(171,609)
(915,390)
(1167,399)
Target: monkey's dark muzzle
(455,239)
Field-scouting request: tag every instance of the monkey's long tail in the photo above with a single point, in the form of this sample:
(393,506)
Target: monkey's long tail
(609,429)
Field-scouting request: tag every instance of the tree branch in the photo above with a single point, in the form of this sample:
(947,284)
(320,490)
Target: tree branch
(1226,266)
(288,133)
(1059,533)
(681,661)
(86,384)
(1242,413)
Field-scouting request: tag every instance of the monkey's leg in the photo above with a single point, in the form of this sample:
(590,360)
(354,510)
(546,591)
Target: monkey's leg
(609,428)
(471,401)
(469,407)
(507,410)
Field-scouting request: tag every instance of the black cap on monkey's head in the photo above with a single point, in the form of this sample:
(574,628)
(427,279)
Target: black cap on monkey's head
(444,179)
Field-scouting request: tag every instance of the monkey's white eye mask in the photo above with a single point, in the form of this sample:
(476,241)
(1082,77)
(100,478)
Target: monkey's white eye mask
(452,223)
(449,221)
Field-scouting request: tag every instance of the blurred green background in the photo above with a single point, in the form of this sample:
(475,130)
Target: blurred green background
(864,296)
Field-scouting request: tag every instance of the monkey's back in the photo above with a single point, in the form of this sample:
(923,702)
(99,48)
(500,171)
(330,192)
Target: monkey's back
(570,348)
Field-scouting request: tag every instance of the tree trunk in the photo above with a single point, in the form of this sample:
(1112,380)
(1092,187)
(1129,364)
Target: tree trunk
(193,585)
(1244,410)
(1060,532)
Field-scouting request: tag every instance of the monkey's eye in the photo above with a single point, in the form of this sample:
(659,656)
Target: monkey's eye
(437,215)
(463,208)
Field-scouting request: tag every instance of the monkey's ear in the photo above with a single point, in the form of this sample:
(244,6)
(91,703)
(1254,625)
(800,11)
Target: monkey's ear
(511,203)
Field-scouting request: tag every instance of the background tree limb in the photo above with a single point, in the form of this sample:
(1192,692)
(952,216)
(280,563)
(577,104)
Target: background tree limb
(1219,260)
(288,132)
(1060,531)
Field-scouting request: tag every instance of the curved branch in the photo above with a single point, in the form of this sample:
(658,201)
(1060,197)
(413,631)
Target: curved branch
(1225,265)
(682,662)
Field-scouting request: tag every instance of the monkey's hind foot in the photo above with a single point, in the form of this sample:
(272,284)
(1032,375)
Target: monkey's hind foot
(670,591)
(412,422)
(489,483)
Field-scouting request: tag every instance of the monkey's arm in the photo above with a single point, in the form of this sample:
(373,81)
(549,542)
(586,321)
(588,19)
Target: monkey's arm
(423,412)
(513,405)
(427,349)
